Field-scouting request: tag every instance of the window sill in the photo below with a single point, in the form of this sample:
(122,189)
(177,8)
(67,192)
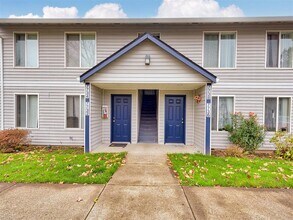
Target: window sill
(25,67)
(74,129)
(27,128)
(278,68)
(218,68)
(77,68)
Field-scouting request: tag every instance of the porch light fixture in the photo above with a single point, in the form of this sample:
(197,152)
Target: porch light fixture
(147,59)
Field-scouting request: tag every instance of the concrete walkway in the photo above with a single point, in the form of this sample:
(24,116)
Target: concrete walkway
(144,188)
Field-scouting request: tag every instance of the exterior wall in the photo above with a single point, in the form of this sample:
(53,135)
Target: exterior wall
(250,81)
(199,119)
(131,68)
(250,100)
(95,118)
(52,108)
(1,82)
(189,121)
(106,123)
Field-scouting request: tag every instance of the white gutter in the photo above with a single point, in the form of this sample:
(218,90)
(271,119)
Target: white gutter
(145,20)
(2,82)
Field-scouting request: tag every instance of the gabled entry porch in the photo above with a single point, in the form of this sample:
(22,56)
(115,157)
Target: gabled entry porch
(134,100)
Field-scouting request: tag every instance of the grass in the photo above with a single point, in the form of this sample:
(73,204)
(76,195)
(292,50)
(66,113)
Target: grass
(59,166)
(202,170)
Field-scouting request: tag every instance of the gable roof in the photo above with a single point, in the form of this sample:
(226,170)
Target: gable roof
(167,48)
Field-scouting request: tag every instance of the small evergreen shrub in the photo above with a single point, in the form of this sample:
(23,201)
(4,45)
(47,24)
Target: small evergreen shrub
(246,133)
(283,142)
(12,140)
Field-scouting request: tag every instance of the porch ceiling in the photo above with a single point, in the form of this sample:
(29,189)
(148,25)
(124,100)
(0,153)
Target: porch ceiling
(162,86)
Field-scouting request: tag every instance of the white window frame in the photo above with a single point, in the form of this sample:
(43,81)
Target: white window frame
(65,43)
(219,52)
(26,102)
(277,112)
(279,49)
(80,112)
(218,99)
(14,52)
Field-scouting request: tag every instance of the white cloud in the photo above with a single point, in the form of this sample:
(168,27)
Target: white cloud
(197,8)
(55,12)
(106,10)
(52,12)
(29,15)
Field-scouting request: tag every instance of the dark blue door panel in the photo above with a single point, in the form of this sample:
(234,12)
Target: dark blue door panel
(175,119)
(121,118)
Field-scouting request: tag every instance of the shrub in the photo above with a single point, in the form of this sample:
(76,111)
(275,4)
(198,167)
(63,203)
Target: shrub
(12,140)
(246,133)
(234,151)
(283,142)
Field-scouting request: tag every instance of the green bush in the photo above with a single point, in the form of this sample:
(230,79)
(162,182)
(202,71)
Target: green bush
(283,142)
(246,133)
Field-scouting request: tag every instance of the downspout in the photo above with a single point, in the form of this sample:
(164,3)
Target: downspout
(2,83)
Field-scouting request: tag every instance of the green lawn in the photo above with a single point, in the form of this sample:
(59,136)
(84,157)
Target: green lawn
(59,166)
(201,170)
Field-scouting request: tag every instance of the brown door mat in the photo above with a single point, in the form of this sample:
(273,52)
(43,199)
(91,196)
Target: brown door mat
(117,145)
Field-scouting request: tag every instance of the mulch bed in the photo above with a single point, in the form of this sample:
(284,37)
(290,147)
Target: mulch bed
(258,153)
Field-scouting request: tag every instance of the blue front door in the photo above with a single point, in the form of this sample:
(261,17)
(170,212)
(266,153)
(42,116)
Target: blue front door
(121,118)
(175,119)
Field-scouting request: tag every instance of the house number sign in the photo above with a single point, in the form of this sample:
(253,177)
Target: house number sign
(87,99)
(208,101)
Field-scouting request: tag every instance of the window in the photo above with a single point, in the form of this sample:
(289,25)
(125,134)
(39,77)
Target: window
(26,50)
(279,49)
(74,111)
(157,35)
(27,111)
(277,114)
(80,50)
(219,50)
(222,108)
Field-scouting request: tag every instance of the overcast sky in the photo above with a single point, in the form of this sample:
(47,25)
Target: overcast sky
(143,8)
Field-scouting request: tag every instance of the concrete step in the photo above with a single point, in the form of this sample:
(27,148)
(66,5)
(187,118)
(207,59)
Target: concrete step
(148,116)
(153,126)
(148,139)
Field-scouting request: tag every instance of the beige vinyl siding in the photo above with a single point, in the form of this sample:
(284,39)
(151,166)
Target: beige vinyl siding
(52,119)
(131,68)
(200,119)
(189,122)
(95,118)
(106,123)
(247,100)
(52,80)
